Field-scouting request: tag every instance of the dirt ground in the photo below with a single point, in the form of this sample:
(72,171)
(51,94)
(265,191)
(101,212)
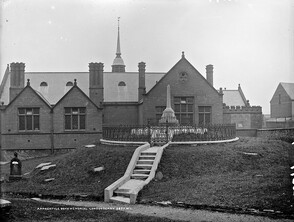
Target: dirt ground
(169,212)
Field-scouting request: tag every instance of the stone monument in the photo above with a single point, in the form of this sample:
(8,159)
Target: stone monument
(168,115)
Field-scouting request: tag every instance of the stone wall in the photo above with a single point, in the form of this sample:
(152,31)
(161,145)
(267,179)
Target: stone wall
(276,133)
(244,117)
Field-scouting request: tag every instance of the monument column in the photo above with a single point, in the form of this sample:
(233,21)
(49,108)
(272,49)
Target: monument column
(168,115)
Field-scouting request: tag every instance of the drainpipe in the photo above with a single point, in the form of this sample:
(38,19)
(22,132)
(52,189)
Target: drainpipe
(52,132)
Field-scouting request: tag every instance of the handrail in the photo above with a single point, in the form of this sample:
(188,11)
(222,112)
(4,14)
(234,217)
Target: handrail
(134,193)
(108,192)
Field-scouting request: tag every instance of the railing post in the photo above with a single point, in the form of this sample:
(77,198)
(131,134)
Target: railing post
(149,132)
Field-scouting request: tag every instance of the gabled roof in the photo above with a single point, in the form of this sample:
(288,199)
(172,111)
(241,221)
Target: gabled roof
(289,88)
(28,86)
(81,91)
(234,97)
(112,92)
(4,80)
(185,60)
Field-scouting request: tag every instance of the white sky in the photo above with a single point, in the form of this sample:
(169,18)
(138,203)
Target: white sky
(250,42)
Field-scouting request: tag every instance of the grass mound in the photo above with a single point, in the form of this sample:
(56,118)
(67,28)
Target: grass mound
(250,173)
(74,172)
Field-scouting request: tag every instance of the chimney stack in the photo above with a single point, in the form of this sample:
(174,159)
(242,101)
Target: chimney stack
(142,87)
(209,74)
(96,82)
(17,74)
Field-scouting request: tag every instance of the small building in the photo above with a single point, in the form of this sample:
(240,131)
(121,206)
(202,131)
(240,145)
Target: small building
(238,110)
(282,107)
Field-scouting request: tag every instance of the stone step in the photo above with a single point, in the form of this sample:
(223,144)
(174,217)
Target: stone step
(144,153)
(120,199)
(143,166)
(153,149)
(129,185)
(142,171)
(145,162)
(147,157)
(139,176)
(123,193)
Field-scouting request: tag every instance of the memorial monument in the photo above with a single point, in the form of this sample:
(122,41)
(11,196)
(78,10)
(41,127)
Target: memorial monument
(168,115)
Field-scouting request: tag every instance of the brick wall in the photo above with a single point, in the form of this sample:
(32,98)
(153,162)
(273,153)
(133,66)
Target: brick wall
(11,138)
(93,131)
(120,113)
(44,138)
(75,140)
(193,85)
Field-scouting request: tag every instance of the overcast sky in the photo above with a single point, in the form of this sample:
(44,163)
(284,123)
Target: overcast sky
(250,42)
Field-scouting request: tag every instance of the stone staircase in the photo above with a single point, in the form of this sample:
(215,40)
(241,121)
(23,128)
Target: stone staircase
(140,172)
(139,175)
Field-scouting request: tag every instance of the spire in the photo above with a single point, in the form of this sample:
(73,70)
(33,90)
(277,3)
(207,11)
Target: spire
(118,53)
(118,63)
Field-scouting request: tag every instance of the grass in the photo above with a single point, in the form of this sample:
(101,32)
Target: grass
(223,175)
(216,175)
(73,173)
(29,210)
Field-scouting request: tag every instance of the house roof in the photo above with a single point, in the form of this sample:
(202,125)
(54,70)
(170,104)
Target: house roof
(289,88)
(183,59)
(233,98)
(57,81)
(28,86)
(81,91)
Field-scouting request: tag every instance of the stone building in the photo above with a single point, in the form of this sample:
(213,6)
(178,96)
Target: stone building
(67,109)
(238,110)
(282,107)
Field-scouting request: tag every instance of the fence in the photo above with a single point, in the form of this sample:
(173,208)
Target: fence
(169,133)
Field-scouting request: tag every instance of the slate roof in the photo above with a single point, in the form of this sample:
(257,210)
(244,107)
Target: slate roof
(233,98)
(57,85)
(289,88)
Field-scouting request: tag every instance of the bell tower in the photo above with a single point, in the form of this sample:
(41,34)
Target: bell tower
(118,63)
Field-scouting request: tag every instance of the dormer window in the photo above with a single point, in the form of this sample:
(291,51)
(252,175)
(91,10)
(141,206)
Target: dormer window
(69,83)
(44,84)
(121,83)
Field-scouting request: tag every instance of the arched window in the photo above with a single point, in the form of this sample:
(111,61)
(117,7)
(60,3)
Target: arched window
(121,83)
(44,84)
(69,83)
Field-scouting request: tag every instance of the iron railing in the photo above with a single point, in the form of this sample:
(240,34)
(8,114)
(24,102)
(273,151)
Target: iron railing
(148,133)
(211,132)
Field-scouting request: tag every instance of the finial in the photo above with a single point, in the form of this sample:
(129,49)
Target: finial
(183,54)
(75,82)
(118,18)
(28,82)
